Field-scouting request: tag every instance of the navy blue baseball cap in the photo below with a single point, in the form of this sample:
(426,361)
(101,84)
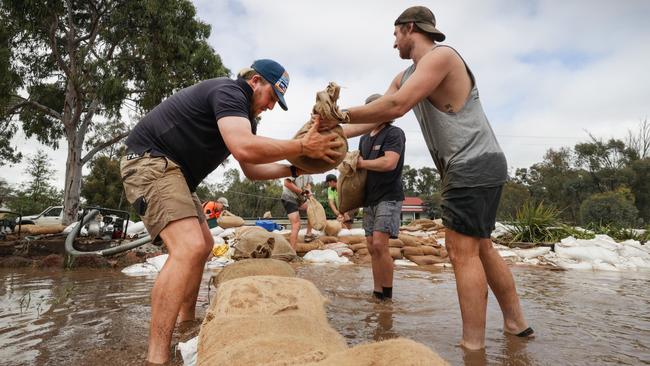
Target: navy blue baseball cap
(276,75)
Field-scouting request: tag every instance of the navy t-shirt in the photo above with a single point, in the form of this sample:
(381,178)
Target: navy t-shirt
(384,186)
(184,127)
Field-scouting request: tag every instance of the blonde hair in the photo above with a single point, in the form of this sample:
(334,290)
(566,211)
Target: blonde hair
(247,73)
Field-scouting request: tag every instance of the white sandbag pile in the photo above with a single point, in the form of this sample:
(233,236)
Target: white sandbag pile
(270,320)
(600,253)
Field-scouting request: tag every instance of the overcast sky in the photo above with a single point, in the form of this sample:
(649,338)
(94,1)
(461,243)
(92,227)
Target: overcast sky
(548,72)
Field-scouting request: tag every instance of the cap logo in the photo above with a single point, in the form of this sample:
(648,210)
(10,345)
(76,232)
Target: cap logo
(283,83)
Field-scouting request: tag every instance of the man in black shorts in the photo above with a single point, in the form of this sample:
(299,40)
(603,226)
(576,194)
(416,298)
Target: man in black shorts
(295,193)
(174,147)
(441,90)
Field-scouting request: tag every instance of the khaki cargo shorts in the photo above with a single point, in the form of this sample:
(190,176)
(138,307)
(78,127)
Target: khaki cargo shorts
(157,189)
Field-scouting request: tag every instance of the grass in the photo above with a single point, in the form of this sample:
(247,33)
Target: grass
(535,223)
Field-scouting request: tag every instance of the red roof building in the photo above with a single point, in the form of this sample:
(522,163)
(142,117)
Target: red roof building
(412,209)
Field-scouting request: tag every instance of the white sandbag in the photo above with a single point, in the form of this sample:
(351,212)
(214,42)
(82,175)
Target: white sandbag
(629,251)
(218,240)
(599,265)
(227,233)
(640,263)
(217,230)
(352,232)
(140,269)
(324,256)
(532,252)
(587,253)
(136,228)
(567,263)
(404,262)
(158,261)
(189,350)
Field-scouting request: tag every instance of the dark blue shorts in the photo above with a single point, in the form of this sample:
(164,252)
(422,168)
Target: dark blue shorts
(471,211)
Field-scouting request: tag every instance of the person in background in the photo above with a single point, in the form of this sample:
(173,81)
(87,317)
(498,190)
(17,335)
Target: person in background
(214,209)
(346,218)
(295,193)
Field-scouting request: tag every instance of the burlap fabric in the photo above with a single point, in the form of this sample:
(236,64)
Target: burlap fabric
(327,108)
(332,227)
(254,267)
(316,214)
(256,242)
(228,220)
(351,183)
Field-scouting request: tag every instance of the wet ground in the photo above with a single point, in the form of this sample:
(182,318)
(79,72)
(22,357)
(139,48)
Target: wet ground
(100,316)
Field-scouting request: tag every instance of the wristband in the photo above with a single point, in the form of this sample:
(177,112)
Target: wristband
(294,171)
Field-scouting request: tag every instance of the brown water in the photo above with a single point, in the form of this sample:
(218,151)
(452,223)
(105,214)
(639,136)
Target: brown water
(84,317)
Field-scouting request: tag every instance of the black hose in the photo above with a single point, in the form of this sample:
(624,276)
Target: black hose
(69,241)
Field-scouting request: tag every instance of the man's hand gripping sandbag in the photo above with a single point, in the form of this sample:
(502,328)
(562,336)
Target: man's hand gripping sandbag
(325,107)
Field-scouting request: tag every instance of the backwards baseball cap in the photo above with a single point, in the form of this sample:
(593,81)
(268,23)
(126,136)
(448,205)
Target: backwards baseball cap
(423,18)
(330,177)
(276,75)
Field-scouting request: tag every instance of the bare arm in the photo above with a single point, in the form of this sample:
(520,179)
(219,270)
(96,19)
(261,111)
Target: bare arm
(265,171)
(385,163)
(249,148)
(333,207)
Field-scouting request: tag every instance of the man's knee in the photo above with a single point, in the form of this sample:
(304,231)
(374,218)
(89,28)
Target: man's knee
(378,247)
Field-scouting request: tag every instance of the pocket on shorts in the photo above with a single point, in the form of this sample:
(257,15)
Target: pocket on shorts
(139,174)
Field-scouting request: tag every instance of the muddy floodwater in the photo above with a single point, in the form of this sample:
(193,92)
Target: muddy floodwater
(96,317)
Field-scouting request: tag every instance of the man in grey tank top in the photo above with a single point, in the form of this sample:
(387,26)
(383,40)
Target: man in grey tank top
(441,91)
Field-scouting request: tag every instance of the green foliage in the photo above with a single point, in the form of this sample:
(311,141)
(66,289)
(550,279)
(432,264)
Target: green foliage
(6,192)
(641,187)
(615,208)
(534,223)
(432,205)
(514,196)
(38,193)
(618,233)
(103,185)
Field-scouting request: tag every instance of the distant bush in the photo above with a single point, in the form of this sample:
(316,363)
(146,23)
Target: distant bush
(611,209)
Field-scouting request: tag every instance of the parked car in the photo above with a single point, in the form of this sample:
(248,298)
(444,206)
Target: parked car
(52,215)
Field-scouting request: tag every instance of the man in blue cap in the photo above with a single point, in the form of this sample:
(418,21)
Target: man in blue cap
(174,147)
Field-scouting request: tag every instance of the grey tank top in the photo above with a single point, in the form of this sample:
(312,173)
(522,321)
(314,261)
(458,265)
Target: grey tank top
(462,144)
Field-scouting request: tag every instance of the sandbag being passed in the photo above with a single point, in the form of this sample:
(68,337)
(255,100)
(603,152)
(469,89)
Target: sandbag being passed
(316,214)
(327,108)
(351,183)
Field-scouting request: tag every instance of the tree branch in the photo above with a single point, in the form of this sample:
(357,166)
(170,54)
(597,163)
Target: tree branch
(55,48)
(103,145)
(26,102)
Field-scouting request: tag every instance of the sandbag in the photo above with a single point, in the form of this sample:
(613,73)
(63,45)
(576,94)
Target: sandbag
(358,246)
(409,240)
(327,108)
(306,247)
(351,183)
(283,339)
(41,230)
(332,227)
(328,239)
(352,239)
(395,253)
(254,267)
(282,249)
(395,243)
(227,220)
(410,251)
(268,295)
(316,214)
(400,351)
(252,242)
(423,260)
(427,250)
(362,252)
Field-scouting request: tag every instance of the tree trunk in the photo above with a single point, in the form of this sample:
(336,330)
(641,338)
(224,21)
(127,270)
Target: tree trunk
(72,180)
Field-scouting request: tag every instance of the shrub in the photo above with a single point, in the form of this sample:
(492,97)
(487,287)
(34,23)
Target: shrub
(534,223)
(612,209)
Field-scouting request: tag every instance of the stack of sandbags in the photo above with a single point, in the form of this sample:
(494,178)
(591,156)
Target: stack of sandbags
(256,242)
(424,225)
(332,227)
(423,251)
(270,320)
(263,320)
(327,108)
(342,249)
(253,267)
(303,248)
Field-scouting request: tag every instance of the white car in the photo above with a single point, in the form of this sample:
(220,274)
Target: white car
(52,215)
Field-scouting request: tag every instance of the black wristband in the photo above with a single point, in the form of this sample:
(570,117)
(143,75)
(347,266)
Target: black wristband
(294,171)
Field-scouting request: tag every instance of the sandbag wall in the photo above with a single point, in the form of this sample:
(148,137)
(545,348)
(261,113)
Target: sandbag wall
(262,315)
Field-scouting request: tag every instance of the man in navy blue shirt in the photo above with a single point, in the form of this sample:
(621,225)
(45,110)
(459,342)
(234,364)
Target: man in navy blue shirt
(174,147)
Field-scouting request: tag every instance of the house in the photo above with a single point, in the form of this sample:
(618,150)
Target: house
(412,209)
